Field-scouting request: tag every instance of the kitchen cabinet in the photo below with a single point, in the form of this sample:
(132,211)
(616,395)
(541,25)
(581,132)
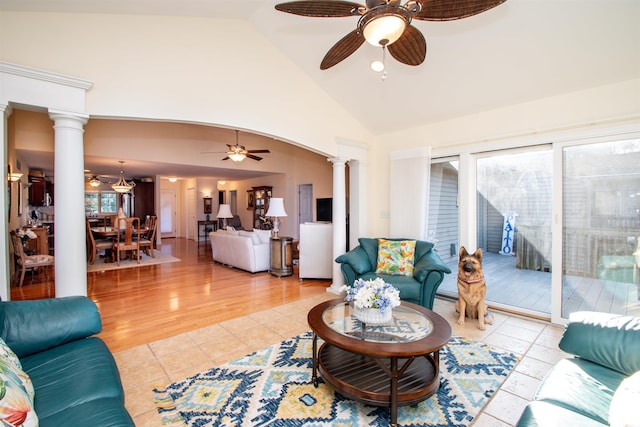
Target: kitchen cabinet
(38,190)
(144,200)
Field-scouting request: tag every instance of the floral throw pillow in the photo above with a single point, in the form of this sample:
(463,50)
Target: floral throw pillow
(16,395)
(395,257)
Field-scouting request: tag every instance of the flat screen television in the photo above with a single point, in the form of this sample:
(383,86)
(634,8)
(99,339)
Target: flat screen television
(324,210)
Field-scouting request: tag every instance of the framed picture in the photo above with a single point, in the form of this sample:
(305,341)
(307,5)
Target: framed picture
(207,205)
(250,201)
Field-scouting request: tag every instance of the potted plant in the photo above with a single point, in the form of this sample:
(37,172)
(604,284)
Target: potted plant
(373,300)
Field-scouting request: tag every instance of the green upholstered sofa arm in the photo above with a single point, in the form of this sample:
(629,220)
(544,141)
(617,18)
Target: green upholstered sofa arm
(29,327)
(609,340)
(428,263)
(430,287)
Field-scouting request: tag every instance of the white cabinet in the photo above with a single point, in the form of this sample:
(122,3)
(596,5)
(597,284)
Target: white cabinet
(315,251)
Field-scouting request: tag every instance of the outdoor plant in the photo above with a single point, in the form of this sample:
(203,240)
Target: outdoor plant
(374,293)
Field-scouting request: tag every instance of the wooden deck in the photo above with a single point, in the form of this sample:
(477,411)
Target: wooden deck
(513,289)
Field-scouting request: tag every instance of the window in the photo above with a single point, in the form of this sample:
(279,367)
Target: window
(100,203)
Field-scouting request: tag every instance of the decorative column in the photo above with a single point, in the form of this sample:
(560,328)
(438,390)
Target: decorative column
(5,277)
(70,228)
(358,191)
(339,219)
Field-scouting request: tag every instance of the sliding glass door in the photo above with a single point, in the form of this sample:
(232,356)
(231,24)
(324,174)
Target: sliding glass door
(601,227)
(514,206)
(558,224)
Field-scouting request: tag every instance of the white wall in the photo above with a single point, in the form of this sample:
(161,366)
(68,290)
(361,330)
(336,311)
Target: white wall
(542,121)
(179,68)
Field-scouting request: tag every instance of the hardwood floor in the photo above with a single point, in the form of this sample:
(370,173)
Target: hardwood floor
(145,304)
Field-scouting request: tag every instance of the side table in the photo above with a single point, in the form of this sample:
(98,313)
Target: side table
(281,256)
(208,225)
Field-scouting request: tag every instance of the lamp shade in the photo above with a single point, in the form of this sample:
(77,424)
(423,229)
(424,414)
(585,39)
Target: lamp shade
(276,207)
(224,211)
(384,30)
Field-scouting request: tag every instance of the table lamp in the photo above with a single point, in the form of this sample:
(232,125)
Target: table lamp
(276,210)
(224,212)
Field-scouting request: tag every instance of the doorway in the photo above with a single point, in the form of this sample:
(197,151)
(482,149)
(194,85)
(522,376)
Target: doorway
(305,203)
(191,214)
(167,213)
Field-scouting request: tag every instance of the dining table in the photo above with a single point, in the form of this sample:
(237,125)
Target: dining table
(104,232)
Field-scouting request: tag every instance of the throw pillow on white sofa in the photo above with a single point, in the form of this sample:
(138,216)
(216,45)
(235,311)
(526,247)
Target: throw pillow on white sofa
(255,239)
(264,235)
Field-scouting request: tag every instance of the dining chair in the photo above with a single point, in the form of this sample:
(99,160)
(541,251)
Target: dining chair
(24,262)
(149,235)
(127,239)
(94,245)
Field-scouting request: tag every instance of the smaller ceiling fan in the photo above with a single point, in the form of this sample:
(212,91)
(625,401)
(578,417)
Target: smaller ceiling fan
(386,23)
(238,152)
(94,181)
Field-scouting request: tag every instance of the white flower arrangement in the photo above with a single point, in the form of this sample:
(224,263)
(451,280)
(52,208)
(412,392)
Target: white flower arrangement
(26,234)
(374,293)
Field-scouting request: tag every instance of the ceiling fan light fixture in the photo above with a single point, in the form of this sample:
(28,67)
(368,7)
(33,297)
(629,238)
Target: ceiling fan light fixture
(383,25)
(237,157)
(94,182)
(377,66)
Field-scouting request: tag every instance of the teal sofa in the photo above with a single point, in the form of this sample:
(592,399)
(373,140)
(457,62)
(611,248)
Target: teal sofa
(600,385)
(428,273)
(74,375)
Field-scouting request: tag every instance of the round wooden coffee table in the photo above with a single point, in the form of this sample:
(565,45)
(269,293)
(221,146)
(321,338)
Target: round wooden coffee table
(387,365)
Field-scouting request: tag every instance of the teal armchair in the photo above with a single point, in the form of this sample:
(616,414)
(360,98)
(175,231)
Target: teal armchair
(429,270)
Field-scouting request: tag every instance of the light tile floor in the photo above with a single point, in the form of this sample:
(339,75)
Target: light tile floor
(161,362)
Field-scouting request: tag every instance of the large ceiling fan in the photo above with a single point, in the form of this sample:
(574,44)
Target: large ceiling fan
(238,152)
(386,23)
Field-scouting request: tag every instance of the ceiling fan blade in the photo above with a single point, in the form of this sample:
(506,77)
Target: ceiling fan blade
(258,151)
(448,10)
(226,158)
(410,48)
(251,156)
(320,8)
(341,50)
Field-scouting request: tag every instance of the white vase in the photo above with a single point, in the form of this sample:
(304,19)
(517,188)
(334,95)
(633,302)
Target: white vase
(372,316)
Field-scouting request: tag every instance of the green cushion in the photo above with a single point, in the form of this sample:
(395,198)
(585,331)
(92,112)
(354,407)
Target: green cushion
(357,259)
(607,339)
(545,414)
(582,386)
(70,375)
(428,262)
(370,246)
(410,290)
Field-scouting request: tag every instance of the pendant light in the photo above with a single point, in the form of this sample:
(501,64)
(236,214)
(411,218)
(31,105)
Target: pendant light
(122,186)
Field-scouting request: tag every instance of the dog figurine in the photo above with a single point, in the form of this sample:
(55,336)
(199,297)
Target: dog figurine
(472,289)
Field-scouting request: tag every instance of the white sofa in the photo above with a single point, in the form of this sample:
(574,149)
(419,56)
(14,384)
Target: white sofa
(246,250)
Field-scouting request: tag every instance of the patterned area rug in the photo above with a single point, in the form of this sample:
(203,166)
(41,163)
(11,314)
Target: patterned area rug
(160,258)
(272,387)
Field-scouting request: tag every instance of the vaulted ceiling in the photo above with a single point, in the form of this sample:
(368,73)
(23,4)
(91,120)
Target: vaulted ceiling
(520,51)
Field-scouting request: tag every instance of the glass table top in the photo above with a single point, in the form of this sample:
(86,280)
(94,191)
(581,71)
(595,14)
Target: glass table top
(407,325)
